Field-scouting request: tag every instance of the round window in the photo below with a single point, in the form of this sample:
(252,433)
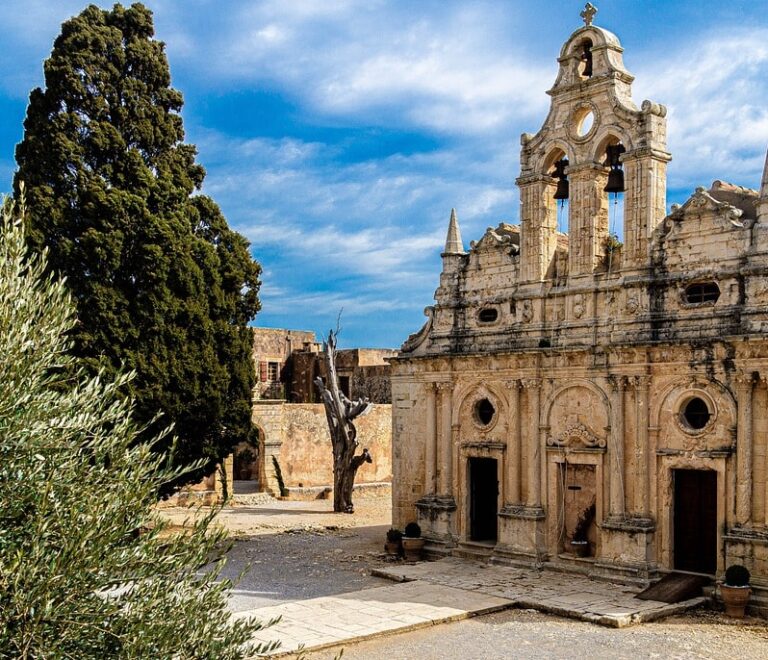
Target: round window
(485,411)
(696,413)
(585,125)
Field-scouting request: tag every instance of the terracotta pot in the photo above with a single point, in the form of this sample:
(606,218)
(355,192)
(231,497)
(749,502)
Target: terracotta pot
(412,548)
(392,547)
(735,600)
(580,548)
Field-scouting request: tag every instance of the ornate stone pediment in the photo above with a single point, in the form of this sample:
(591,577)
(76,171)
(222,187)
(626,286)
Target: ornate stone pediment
(703,202)
(577,436)
(504,235)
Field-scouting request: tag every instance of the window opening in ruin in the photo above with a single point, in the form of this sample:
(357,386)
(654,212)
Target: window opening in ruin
(585,58)
(273,371)
(488,315)
(344,386)
(485,411)
(696,413)
(702,292)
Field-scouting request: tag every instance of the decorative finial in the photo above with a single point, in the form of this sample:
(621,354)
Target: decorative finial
(588,14)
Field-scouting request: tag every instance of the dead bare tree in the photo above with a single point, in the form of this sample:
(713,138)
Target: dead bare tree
(341,412)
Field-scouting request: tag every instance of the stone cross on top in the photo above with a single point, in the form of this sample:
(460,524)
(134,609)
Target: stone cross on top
(589,13)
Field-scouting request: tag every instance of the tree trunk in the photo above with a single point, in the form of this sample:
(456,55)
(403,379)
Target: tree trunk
(341,412)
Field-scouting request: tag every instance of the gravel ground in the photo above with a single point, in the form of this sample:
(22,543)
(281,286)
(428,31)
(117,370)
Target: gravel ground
(287,550)
(304,564)
(523,634)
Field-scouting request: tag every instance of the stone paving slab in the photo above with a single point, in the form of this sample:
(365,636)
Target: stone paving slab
(331,620)
(568,595)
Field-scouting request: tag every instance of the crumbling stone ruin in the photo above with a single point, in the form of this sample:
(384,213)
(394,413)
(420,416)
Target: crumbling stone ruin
(564,370)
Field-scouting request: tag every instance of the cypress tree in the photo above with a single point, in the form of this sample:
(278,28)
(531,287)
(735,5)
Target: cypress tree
(163,286)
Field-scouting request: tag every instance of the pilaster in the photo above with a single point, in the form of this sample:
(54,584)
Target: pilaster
(514,437)
(533,392)
(588,222)
(616,449)
(645,200)
(538,222)
(445,453)
(430,459)
(744,391)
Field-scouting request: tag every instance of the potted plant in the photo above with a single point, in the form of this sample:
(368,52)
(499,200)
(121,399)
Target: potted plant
(244,459)
(393,545)
(579,540)
(735,590)
(412,542)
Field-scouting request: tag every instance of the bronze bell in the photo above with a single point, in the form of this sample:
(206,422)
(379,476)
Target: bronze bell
(616,175)
(561,192)
(615,182)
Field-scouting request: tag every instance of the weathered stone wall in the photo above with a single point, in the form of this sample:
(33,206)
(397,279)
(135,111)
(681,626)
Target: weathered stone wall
(296,434)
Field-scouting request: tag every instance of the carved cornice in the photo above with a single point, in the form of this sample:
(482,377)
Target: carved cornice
(530,383)
(577,435)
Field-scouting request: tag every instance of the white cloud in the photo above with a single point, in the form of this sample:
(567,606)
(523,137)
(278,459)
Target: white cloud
(715,89)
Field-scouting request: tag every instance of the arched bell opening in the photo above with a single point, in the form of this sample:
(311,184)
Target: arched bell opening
(583,50)
(555,166)
(609,155)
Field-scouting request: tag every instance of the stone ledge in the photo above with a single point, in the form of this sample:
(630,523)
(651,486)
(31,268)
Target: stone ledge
(523,512)
(630,525)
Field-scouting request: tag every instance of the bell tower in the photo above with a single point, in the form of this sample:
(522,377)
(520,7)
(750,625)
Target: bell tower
(595,144)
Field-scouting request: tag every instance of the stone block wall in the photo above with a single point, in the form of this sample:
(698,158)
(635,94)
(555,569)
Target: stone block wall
(296,434)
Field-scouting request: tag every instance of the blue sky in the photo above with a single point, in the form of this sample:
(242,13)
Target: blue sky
(337,135)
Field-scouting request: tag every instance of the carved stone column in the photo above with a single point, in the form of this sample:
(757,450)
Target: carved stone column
(538,222)
(744,387)
(430,458)
(616,448)
(645,176)
(514,435)
(588,222)
(532,387)
(642,450)
(445,450)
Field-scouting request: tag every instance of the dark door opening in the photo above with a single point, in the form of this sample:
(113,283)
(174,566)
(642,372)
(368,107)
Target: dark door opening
(695,521)
(483,499)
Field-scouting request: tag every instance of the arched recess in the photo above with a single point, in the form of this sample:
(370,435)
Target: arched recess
(577,383)
(675,434)
(468,396)
(577,428)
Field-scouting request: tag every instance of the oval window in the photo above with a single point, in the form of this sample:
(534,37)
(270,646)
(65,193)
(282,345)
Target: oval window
(485,411)
(702,292)
(488,315)
(696,413)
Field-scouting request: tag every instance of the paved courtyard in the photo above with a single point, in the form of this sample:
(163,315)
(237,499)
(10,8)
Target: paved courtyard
(429,593)
(327,577)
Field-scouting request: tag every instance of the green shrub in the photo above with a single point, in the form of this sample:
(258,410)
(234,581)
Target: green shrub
(88,569)
(736,576)
(412,530)
(394,535)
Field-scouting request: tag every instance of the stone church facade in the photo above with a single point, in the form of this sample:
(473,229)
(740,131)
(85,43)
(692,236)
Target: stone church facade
(567,386)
